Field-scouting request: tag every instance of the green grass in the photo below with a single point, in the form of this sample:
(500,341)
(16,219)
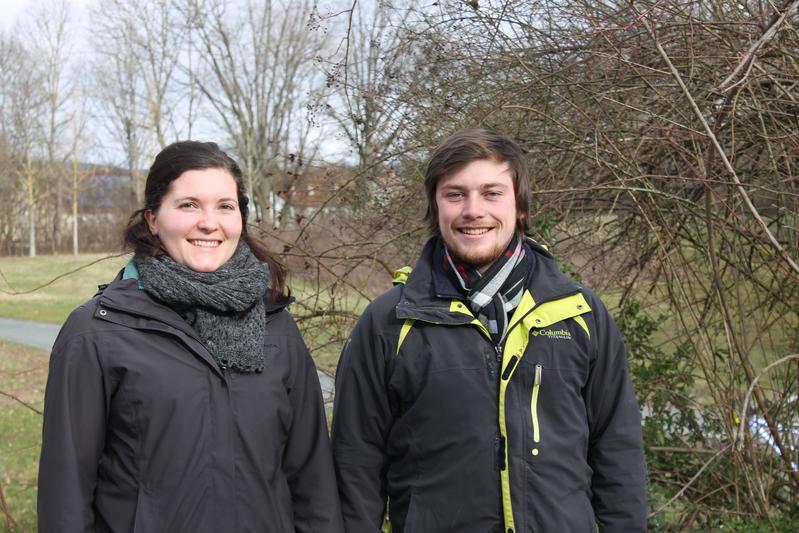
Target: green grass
(23,373)
(23,370)
(48,288)
(325,315)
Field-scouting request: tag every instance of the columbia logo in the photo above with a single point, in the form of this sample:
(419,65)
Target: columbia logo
(552,333)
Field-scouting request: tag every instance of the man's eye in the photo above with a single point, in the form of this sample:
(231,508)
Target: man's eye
(453,195)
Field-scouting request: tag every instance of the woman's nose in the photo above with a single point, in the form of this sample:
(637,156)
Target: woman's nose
(208,222)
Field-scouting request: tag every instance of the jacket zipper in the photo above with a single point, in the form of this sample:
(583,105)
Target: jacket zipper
(500,442)
(499,439)
(534,407)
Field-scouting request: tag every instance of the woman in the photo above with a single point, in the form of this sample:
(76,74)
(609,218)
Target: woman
(181,398)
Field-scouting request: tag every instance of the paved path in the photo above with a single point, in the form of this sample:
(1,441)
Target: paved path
(43,336)
(34,334)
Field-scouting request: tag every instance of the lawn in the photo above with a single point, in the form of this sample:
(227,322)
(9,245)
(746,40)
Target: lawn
(48,288)
(23,373)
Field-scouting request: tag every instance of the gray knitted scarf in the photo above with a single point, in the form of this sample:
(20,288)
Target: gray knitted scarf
(225,307)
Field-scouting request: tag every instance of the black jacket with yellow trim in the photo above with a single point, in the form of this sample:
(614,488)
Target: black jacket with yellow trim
(540,434)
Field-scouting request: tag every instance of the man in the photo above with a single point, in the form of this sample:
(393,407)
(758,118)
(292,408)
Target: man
(488,392)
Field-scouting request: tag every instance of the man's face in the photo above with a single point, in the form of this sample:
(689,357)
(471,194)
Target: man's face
(477,212)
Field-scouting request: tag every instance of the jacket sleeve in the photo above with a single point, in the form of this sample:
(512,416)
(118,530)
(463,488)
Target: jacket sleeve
(73,436)
(615,448)
(307,459)
(361,421)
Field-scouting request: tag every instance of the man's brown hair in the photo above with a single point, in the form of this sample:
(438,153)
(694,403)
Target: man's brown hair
(474,144)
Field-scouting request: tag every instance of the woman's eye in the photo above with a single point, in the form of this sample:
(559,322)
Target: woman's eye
(187,205)
(229,207)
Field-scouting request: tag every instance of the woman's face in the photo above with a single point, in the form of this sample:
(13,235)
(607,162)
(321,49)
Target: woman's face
(198,221)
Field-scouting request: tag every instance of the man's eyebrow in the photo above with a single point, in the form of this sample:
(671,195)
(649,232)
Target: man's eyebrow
(492,185)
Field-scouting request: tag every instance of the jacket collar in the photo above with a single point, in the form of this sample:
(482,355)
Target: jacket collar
(124,302)
(126,295)
(131,271)
(428,293)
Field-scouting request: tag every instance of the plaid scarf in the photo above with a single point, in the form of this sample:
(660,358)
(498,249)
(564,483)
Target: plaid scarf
(494,295)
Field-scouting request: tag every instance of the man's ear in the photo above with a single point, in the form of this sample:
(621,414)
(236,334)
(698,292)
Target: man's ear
(149,217)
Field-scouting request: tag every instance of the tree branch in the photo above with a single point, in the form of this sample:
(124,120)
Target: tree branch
(749,57)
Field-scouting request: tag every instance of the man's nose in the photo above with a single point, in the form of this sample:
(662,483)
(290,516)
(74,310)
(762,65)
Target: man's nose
(473,206)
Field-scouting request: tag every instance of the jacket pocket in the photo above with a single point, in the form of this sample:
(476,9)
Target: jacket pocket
(411,518)
(422,518)
(534,409)
(146,518)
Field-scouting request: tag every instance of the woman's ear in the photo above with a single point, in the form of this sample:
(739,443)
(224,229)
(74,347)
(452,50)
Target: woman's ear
(149,217)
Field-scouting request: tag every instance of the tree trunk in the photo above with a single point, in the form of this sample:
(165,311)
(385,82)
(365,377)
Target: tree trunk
(75,193)
(32,229)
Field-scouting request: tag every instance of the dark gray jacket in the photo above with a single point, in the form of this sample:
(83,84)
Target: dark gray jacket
(541,434)
(143,432)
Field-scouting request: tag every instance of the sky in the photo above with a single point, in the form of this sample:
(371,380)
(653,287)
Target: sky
(11,9)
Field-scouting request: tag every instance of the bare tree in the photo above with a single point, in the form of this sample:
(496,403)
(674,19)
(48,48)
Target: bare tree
(23,106)
(78,147)
(662,140)
(257,74)
(119,93)
(49,29)
(369,62)
(139,47)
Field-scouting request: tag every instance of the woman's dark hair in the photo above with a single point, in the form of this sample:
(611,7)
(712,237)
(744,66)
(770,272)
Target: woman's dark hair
(168,166)
(473,144)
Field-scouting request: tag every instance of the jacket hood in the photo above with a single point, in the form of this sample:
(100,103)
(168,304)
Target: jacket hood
(430,292)
(126,292)
(126,296)
(124,302)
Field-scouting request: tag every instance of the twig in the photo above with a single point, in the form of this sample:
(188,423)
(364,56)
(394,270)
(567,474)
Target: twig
(738,438)
(325,313)
(675,449)
(698,113)
(690,481)
(749,57)
(627,26)
(10,523)
(6,280)
(23,402)
(65,274)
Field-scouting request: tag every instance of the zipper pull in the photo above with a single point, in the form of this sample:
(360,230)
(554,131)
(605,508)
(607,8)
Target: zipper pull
(509,369)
